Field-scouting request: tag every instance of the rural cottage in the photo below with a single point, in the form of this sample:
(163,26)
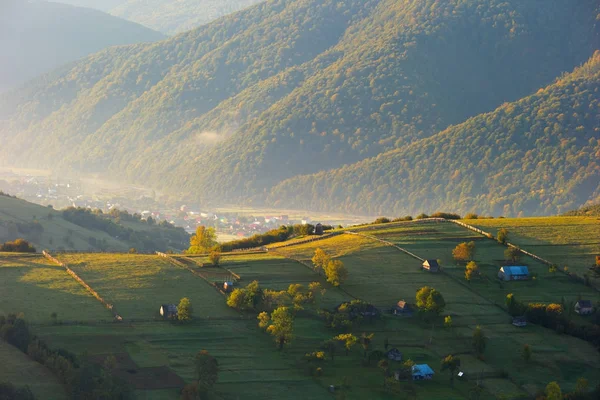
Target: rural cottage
(168,310)
(515,273)
(431,265)
(584,307)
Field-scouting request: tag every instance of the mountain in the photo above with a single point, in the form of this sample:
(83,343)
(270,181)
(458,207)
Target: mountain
(36,37)
(168,16)
(587,211)
(173,17)
(538,155)
(285,88)
(82,230)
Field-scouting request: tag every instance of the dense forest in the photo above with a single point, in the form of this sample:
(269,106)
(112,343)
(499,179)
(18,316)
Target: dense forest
(587,211)
(285,88)
(36,37)
(539,155)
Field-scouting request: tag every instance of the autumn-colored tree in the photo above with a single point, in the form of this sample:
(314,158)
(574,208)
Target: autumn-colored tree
(215,257)
(272,299)
(553,391)
(384,366)
(471,270)
(320,260)
(512,254)
(479,340)
(282,326)
(448,322)
(204,240)
(365,341)
(451,364)
(464,251)
(503,235)
(430,300)
(348,339)
(263,320)
(336,272)
(207,370)
(526,353)
(317,291)
(184,310)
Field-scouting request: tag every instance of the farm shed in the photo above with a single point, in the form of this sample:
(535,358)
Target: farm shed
(422,372)
(519,321)
(513,273)
(584,307)
(319,229)
(431,265)
(168,310)
(227,286)
(394,354)
(402,308)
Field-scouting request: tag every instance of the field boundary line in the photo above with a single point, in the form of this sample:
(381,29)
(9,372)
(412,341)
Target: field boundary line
(73,274)
(182,265)
(387,244)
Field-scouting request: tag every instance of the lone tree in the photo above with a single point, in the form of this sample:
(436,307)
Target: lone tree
(281,326)
(479,341)
(336,272)
(330,347)
(365,341)
(471,270)
(320,260)
(512,254)
(215,257)
(502,236)
(207,370)
(451,364)
(204,239)
(348,339)
(429,299)
(184,310)
(553,391)
(526,353)
(464,251)
(448,322)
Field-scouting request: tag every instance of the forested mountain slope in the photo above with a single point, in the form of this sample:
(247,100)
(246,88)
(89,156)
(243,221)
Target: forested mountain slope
(539,155)
(36,37)
(291,87)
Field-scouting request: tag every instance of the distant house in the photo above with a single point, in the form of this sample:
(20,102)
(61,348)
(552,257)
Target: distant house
(422,372)
(431,265)
(584,307)
(356,310)
(402,308)
(519,321)
(227,287)
(319,229)
(394,354)
(168,310)
(514,273)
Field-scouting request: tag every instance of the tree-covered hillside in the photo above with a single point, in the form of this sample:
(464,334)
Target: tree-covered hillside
(36,37)
(539,155)
(587,211)
(291,87)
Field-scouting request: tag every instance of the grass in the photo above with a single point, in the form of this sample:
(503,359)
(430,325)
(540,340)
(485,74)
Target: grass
(137,285)
(20,370)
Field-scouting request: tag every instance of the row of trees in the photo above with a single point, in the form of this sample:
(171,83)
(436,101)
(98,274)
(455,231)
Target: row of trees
(334,270)
(255,298)
(17,246)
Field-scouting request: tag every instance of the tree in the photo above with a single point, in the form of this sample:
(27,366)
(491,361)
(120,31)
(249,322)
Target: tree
(365,341)
(464,251)
(237,299)
(320,260)
(451,364)
(384,365)
(479,340)
(515,307)
(526,353)
(553,391)
(184,310)
(330,346)
(207,370)
(582,385)
(263,320)
(215,257)
(348,339)
(204,239)
(429,299)
(133,250)
(317,291)
(512,254)
(503,235)
(471,270)
(448,322)
(336,272)
(282,326)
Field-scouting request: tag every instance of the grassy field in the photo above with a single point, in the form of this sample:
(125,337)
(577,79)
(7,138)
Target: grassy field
(567,241)
(252,368)
(20,370)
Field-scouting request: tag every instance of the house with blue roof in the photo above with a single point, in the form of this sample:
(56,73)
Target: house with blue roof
(422,372)
(513,273)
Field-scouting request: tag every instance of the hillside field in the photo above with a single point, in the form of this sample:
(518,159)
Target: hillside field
(161,353)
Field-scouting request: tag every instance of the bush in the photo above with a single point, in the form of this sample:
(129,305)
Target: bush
(18,246)
(445,215)
(471,216)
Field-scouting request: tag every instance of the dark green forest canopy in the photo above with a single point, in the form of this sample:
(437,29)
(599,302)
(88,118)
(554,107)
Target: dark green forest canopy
(539,155)
(293,87)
